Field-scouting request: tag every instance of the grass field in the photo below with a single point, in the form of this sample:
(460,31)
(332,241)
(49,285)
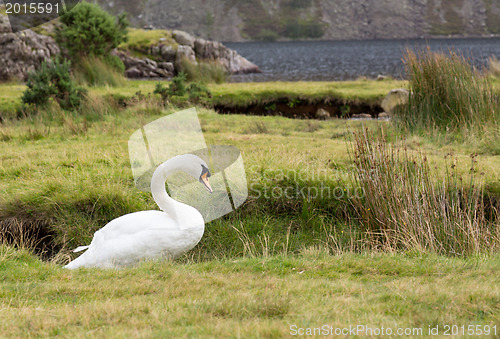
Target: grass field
(248,297)
(274,263)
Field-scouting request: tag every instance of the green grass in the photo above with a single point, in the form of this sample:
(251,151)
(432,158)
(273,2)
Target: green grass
(350,91)
(259,297)
(68,171)
(10,98)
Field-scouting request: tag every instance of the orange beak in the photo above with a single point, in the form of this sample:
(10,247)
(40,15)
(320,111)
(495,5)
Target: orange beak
(204,180)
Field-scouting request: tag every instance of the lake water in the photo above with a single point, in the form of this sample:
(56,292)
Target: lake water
(348,60)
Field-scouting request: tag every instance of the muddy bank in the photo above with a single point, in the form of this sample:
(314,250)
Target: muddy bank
(303,109)
(31,232)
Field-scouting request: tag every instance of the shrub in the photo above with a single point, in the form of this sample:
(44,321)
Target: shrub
(198,93)
(178,85)
(89,30)
(176,88)
(179,90)
(447,94)
(52,81)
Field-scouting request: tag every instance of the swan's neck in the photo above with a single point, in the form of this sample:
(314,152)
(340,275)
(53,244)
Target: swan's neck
(162,199)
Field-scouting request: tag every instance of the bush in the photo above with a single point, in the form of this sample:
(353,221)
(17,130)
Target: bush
(52,81)
(198,93)
(89,30)
(447,94)
(178,85)
(179,90)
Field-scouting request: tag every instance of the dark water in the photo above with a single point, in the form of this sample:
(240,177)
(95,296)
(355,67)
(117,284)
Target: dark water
(347,60)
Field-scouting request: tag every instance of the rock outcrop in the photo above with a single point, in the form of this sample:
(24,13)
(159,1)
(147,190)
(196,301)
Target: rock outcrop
(169,57)
(230,59)
(137,68)
(23,52)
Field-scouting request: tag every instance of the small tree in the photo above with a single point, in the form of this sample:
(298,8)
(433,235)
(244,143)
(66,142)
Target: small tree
(52,80)
(89,30)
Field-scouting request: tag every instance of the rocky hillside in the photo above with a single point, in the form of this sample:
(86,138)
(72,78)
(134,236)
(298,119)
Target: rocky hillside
(147,54)
(24,52)
(239,20)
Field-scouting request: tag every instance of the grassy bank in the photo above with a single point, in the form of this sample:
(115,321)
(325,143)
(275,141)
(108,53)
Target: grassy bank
(241,94)
(260,297)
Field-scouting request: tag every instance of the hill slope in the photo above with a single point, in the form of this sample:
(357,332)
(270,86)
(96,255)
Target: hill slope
(239,20)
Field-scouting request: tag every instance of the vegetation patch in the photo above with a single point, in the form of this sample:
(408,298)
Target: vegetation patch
(139,41)
(448,95)
(52,81)
(405,206)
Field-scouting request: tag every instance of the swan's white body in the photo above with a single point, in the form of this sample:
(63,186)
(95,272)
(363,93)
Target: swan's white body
(149,234)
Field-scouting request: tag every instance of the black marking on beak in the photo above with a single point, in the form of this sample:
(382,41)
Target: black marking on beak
(205,174)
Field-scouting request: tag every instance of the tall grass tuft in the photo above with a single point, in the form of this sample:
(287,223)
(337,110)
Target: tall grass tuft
(447,95)
(407,206)
(494,66)
(95,71)
(204,72)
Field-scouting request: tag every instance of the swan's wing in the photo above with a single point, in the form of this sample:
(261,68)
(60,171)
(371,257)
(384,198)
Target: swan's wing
(142,235)
(130,248)
(133,223)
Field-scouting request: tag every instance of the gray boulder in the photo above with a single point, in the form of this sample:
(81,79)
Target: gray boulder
(228,58)
(183,38)
(134,73)
(168,53)
(395,98)
(168,66)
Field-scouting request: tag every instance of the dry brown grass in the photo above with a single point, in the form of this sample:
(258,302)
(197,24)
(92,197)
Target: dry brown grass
(408,206)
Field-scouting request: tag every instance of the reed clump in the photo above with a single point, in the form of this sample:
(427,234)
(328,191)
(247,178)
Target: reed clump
(94,71)
(408,206)
(447,95)
(204,72)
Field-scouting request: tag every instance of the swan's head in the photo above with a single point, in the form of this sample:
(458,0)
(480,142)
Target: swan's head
(197,168)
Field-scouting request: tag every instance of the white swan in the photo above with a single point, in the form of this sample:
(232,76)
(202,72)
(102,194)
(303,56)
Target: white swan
(150,234)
